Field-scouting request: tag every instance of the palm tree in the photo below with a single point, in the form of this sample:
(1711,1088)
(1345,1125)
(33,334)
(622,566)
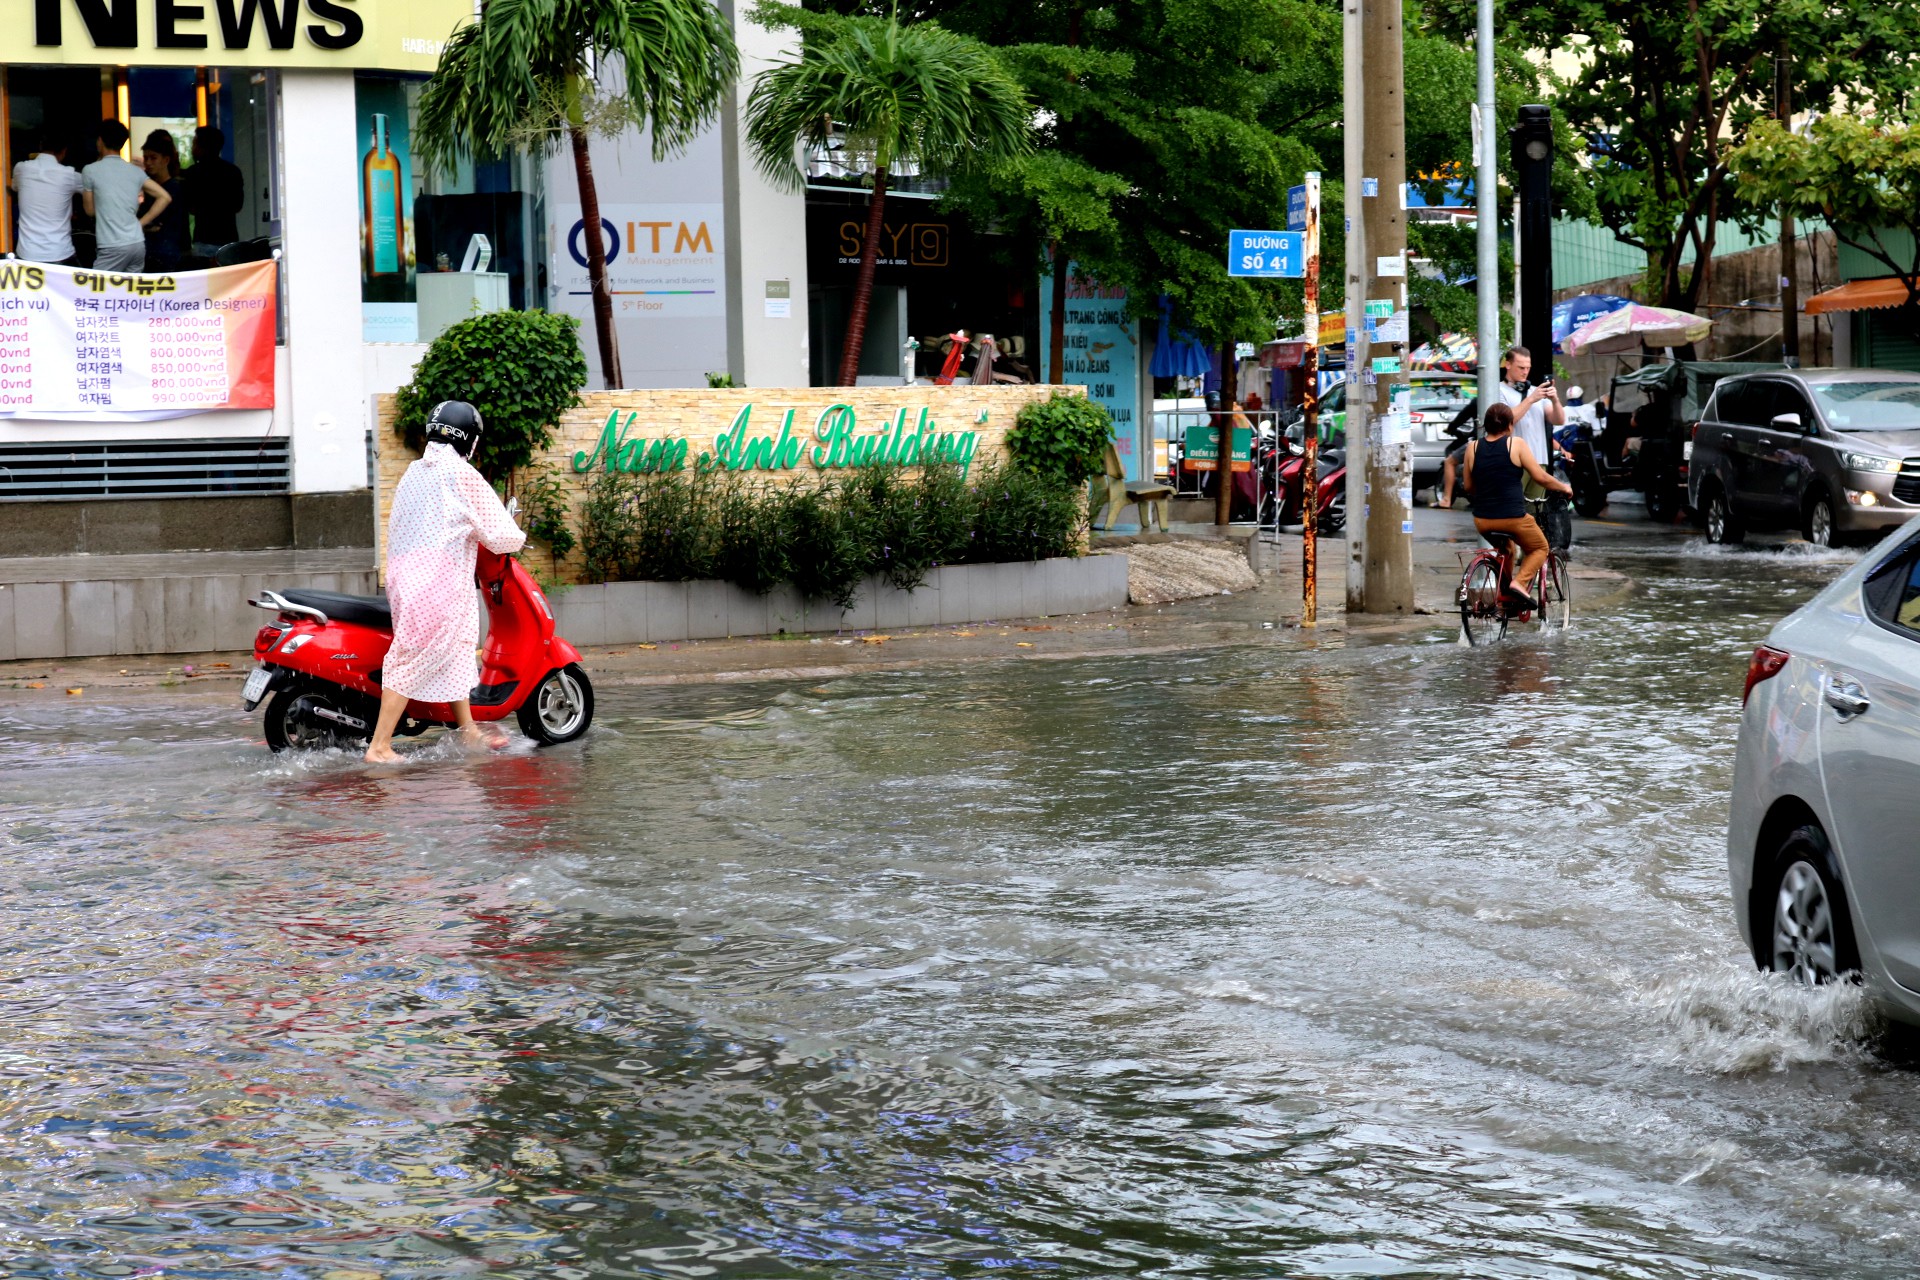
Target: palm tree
(914,95)
(526,72)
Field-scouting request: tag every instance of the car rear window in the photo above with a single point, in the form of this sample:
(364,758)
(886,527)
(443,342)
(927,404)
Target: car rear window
(1870,406)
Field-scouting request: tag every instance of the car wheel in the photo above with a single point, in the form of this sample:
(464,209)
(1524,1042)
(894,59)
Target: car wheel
(1816,526)
(1722,525)
(1806,928)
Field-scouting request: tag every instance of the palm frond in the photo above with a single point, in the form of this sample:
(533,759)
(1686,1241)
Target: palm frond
(917,94)
(511,75)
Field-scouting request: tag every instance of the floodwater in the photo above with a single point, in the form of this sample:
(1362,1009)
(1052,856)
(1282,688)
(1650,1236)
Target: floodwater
(1388,959)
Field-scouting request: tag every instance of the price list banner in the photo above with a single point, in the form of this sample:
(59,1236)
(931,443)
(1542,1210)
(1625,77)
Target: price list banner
(106,346)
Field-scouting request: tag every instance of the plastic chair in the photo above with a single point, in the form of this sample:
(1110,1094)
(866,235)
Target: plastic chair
(1150,495)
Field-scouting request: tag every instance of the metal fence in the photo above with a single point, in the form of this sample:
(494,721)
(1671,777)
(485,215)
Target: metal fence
(144,469)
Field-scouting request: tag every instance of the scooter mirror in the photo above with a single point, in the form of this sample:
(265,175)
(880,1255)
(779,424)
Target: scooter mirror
(513,507)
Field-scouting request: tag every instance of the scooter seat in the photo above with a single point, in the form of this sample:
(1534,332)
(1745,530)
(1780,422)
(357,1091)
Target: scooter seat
(368,611)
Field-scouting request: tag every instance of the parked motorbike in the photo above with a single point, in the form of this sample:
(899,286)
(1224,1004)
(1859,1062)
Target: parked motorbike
(319,665)
(1330,491)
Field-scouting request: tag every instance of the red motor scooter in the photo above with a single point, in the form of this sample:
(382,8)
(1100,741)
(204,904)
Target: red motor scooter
(319,672)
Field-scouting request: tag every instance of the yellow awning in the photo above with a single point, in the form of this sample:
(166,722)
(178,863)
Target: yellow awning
(1859,295)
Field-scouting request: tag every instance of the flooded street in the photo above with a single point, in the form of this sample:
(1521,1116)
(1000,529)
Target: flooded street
(1381,957)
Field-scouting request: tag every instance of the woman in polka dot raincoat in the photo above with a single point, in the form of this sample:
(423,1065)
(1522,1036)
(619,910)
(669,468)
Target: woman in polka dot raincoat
(443,512)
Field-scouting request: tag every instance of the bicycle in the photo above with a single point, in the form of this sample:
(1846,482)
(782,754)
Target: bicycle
(1484,608)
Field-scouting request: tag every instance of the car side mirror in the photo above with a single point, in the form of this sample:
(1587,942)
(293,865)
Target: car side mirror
(1787,422)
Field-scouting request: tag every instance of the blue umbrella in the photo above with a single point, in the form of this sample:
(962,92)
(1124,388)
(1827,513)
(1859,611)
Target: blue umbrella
(1176,357)
(1574,312)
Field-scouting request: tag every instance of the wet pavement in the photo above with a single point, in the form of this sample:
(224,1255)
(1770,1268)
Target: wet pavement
(1350,955)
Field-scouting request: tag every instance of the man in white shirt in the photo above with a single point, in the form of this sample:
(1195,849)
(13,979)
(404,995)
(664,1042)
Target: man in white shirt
(1533,410)
(46,188)
(110,190)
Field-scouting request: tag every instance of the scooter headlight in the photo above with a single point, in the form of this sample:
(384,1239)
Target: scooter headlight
(293,642)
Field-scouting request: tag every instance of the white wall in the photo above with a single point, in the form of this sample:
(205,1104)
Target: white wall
(326,398)
(767,235)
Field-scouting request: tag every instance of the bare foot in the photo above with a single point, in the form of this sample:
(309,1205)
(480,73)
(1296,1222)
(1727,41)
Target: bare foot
(482,738)
(383,755)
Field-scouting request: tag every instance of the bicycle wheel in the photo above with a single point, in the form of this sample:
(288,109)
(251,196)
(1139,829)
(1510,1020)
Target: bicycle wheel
(1483,615)
(1556,595)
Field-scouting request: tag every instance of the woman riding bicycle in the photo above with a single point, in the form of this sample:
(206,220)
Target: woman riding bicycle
(1496,467)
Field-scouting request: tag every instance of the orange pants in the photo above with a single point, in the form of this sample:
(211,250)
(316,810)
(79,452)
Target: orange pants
(1526,531)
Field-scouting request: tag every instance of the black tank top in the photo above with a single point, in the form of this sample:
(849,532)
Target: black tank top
(1497,481)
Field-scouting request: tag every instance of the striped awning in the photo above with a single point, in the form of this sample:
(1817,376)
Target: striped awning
(1859,295)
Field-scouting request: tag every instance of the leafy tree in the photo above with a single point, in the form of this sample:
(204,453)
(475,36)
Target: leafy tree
(1861,175)
(1666,91)
(524,74)
(895,95)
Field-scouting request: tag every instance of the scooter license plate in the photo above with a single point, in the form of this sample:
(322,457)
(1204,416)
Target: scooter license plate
(256,685)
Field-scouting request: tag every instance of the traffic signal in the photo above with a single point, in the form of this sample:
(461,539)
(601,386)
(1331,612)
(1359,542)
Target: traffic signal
(1532,159)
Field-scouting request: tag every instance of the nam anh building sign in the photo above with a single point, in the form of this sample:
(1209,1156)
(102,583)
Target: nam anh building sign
(767,435)
(396,35)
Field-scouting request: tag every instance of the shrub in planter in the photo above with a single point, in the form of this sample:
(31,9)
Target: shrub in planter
(828,541)
(1020,515)
(753,552)
(521,369)
(914,521)
(1061,439)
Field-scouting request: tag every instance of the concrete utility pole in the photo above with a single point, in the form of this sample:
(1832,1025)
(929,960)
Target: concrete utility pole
(1388,511)
(1486,191)
(1310,418)
(1359,278)
(1223,452)
(1789,274)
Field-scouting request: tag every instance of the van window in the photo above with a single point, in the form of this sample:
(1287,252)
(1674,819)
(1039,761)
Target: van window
(1743,402)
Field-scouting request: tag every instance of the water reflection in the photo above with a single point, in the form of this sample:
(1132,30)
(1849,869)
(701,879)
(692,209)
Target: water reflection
(1379,957)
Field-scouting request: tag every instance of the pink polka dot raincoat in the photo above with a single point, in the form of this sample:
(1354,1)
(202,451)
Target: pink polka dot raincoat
(442,512)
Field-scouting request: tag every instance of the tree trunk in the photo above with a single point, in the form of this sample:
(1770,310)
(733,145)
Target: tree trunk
(863,283)
(596,260)
(1223,456)
(1057,319)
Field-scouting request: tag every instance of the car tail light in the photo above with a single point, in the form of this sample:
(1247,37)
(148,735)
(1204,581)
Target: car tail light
(1767,663)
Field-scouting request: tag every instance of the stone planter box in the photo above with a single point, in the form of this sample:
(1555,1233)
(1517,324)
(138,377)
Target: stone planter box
(651,612)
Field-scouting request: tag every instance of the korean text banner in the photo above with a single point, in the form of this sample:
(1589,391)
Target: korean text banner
(108,346)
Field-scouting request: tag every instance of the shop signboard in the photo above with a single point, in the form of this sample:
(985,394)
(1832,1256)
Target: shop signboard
(1102,354)
(664,261)
(391,35)
(915,243)
(834,440)
(106,347)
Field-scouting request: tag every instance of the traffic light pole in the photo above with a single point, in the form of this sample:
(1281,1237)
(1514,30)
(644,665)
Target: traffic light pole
(1533,176)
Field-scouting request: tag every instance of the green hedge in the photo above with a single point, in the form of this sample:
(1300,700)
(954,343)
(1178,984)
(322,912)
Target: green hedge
(824,538)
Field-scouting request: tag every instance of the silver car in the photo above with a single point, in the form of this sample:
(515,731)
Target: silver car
(1825,816)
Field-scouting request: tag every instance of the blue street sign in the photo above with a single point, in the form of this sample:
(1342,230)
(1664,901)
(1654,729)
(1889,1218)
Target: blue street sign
(1297,208)
(1269,254)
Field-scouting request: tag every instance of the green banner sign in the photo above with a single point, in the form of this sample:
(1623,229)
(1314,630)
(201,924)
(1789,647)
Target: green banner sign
(1203,444)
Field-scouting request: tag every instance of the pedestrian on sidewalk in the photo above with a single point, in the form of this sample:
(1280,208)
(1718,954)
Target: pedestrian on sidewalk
(215,192)
(111,189)
(166,234)
(45,186)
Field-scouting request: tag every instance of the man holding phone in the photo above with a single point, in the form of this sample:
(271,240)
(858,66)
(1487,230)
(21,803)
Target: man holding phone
(1534,410)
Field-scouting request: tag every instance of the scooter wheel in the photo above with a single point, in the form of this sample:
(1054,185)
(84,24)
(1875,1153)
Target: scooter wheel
(289,721)
(560,707)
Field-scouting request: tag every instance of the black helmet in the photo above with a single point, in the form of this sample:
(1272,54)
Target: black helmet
(456,423)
